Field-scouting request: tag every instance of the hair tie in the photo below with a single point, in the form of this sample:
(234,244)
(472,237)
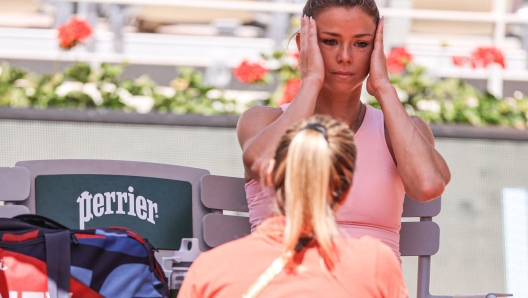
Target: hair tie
(301,244)
(316,126)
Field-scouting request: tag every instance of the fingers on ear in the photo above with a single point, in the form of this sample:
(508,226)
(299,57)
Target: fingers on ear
(303,33)
(379,30)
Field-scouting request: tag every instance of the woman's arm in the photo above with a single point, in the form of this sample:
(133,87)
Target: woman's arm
(259,129)
(423,170)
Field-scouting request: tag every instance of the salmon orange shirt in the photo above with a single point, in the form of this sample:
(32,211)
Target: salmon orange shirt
(364,268)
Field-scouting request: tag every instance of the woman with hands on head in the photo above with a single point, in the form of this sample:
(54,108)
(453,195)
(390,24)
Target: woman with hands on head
(340,44)
(299,251)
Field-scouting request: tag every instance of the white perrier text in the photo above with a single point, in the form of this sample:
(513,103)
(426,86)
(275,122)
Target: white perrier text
(115,203)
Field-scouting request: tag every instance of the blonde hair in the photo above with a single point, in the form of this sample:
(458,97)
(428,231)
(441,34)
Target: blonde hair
(314,166)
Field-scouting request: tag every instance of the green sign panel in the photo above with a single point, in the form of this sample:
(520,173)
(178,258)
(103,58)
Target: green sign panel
(158,209)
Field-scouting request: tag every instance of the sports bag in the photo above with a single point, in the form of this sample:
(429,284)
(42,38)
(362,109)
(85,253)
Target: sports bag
(41,258)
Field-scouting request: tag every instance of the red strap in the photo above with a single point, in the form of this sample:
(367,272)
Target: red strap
(3,282)
(20,237)
(89,236)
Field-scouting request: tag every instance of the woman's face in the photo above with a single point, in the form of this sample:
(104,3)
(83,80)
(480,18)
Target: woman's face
(346,40)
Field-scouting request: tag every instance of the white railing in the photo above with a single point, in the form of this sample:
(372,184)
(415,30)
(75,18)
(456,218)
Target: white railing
(499,15)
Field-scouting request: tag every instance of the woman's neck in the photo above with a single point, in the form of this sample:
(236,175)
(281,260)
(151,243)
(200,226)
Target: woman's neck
(344,107)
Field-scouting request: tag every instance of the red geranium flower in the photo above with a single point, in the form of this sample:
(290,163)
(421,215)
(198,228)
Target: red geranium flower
(75,31)
(483,56)
(290,91)
(248,72)
(397,59)
(459,60)
(295,55)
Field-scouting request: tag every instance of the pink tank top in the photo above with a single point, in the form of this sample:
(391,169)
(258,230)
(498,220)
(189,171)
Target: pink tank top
(375,203)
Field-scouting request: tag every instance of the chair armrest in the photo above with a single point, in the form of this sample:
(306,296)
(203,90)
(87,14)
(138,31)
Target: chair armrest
(488,295)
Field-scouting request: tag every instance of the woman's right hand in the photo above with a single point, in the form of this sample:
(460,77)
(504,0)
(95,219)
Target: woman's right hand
(311,63)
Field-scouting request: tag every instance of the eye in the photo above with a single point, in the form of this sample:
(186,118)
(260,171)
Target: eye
(330,42)
(361,44)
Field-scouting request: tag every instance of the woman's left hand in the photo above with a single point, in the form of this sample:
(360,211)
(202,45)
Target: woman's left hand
(378,77)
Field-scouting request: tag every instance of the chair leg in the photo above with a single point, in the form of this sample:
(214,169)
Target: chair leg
(424,278)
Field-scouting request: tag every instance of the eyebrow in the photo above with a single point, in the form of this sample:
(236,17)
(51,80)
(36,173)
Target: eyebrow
(338,35)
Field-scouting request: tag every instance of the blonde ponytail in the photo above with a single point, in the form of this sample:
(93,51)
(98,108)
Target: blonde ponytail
(313,168)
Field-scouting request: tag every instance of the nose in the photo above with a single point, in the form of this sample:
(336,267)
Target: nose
(344,55)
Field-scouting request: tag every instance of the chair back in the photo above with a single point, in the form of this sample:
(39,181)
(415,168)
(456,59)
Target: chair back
(127,193)
(420,238)
(221,194)
(166,203)
(14,187)
(161,202)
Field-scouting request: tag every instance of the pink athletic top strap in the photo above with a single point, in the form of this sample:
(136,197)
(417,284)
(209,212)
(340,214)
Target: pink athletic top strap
(375,203)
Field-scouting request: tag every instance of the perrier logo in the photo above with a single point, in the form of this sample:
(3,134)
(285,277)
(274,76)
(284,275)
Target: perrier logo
(115,203)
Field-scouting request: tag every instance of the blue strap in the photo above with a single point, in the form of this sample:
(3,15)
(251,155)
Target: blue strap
(58,263)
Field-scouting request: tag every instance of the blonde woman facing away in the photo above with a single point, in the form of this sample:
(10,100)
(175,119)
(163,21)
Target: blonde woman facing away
(299,251)
(341,43)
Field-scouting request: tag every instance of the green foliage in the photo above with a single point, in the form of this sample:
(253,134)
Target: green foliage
(454,101)
(192,96)
(111,73)
(79,72)
(434,100)
(81,86)
(286,70)
(287,65)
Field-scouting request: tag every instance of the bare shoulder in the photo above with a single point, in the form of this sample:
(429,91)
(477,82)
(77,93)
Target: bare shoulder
(254,120)
(424,128)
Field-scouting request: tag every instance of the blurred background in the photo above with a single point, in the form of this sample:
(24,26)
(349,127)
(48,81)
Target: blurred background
(165,80)
(154,36)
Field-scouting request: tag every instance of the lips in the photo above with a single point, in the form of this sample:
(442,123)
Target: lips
(343,74)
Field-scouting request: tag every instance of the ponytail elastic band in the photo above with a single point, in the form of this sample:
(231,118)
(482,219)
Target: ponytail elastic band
(316,126)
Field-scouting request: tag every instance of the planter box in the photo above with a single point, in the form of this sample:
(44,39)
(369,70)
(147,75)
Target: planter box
(462,131)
